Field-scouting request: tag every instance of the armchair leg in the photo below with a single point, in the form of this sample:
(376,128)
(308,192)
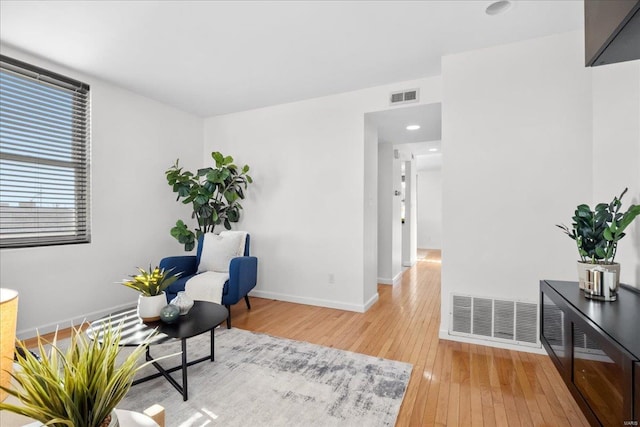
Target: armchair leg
(246,299)
(228,318)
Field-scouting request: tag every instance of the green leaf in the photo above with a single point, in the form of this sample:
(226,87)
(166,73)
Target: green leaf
(215,176)
(227,160)
(183,191)
(583,211)
(629,216)
(230,196)
(201,200)
(233,215)
(245,169)
(219,158)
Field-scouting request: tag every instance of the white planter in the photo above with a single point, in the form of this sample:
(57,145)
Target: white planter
(114,419)
(149,307)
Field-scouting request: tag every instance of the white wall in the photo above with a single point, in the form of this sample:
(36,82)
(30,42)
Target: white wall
(396,240)
(370,223)
(429,215)
(305,211)
(133,141)
(389,214)
(616,151)
(516,160)
(409,227)
(385,213)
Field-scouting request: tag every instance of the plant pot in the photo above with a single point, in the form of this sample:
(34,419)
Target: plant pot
(615,268)
(603,281)
(584,278)
(149,307)
(111,420)
(583,267)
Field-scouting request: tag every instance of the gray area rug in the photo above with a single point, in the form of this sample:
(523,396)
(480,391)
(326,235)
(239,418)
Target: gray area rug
(260,380)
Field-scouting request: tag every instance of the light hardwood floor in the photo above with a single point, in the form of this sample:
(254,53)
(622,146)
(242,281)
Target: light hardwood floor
(452,384)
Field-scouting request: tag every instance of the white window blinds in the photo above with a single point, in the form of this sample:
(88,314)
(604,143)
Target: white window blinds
(44,157)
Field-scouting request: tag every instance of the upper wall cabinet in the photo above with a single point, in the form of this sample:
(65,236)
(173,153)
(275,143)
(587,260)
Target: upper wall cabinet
(612,31)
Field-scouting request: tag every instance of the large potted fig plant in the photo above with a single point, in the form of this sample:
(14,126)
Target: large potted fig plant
(214,194)
(597,233)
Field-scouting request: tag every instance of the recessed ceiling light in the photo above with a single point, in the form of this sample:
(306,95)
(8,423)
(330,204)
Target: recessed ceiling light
(433,149)
(497,7)
(413,127)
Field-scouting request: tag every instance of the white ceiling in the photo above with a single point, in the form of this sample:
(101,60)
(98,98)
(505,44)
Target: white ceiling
(424,143)
(211,58)
(392,124)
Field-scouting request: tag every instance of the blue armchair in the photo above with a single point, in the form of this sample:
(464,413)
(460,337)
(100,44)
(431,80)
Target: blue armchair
(243,272)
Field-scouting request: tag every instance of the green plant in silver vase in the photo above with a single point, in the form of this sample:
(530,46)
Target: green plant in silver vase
(597,233)
(79,386)
(214,195)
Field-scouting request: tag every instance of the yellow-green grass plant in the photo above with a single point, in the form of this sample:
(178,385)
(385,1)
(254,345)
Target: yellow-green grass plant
(153,282)
(77,387)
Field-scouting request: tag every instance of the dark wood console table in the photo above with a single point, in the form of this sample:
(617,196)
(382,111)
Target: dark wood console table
(595,345)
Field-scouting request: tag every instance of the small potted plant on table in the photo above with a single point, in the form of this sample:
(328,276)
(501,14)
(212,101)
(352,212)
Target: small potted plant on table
(597,233)
(151,285)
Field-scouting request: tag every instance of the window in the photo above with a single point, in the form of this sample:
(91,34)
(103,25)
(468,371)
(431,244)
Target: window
(44,157)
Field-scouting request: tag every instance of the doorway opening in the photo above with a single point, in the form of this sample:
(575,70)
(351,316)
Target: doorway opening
(407,147)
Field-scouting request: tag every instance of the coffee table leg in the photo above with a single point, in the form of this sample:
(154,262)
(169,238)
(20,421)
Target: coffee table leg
(212,357)
(184,369)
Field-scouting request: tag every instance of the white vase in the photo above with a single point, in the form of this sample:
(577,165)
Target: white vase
(114,420)
(149,307)
(183,302)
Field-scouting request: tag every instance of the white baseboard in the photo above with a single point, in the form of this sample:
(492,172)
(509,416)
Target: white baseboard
(372,300)
(444,335)
(74,321)
(396,279)
(89,317)
(359,308)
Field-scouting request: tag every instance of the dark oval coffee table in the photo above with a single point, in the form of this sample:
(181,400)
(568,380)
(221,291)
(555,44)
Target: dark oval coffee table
(204,316)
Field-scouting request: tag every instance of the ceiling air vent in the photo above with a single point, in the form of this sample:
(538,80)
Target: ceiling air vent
(405,97)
